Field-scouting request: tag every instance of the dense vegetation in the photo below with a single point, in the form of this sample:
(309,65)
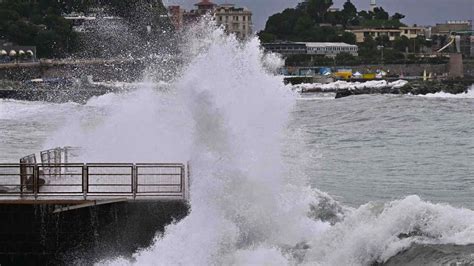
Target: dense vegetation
(37,24)
(312,20)
(40,22)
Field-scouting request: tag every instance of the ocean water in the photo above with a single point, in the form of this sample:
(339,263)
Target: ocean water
(278,178)
(379,147)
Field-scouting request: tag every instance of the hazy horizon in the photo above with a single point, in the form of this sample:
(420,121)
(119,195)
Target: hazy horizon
(423,12)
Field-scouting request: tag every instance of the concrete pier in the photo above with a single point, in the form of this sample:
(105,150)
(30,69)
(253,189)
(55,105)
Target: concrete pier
(34,235)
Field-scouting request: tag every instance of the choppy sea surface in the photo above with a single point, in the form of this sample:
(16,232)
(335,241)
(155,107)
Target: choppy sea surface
(381,147)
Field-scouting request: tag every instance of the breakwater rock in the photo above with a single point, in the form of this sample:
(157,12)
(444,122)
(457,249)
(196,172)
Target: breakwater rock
(345,89)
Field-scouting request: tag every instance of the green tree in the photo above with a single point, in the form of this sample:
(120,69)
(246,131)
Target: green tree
(317,9)
(349,13)
(345,59)
(266,37)
(401,44)
(393,56)
(303,23)
(348,37)
(383,40)
(380,13)
(398,16)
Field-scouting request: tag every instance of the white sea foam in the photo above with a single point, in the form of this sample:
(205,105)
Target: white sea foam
(352,85)
(376,232)
(13,109)
(468,95)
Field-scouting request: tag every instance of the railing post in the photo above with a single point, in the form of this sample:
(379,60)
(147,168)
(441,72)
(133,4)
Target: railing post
(85,180)
(188,181)
(183,183)
(35,180)
(134,181)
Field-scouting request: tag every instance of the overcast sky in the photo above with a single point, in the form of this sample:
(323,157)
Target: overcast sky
(421,12)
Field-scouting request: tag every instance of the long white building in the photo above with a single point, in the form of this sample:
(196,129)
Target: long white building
(331,49)
(328,49)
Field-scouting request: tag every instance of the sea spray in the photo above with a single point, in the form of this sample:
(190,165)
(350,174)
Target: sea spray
(375,232)
(226,114)
(242,209)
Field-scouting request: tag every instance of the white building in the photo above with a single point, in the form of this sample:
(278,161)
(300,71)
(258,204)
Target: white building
(331,49)
(237,20)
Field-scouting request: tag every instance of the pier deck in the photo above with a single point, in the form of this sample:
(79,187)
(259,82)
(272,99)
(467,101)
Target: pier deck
(94,184)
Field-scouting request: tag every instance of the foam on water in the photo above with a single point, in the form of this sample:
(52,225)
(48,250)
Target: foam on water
(468,95)
(376,232)
(341,84)
(227,115)
(13,109)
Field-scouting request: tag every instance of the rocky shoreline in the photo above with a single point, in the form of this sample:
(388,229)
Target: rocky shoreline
(416,87)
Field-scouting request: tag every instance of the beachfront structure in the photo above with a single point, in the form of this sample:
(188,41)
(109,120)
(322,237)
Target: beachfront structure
(286,48)
(15,53)
(312,48)
(236,20)
(330,49)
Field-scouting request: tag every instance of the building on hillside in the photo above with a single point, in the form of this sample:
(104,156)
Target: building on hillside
(236,20)
(205,7)
(312,48)
(412,32)
(452,26)
(361,34)
(409,32)
(176,14)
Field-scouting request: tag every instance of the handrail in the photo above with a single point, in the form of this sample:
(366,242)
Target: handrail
(141,181)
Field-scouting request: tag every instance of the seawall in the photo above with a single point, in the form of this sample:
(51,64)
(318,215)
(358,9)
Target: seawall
(33,235)
(119,70)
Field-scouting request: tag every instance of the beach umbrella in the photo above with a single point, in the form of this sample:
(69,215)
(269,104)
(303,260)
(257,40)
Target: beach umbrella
(12,53)
(30,53)
(21,52)
(357,75)
(3,53)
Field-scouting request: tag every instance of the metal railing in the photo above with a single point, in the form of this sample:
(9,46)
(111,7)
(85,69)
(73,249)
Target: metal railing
(145,181)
